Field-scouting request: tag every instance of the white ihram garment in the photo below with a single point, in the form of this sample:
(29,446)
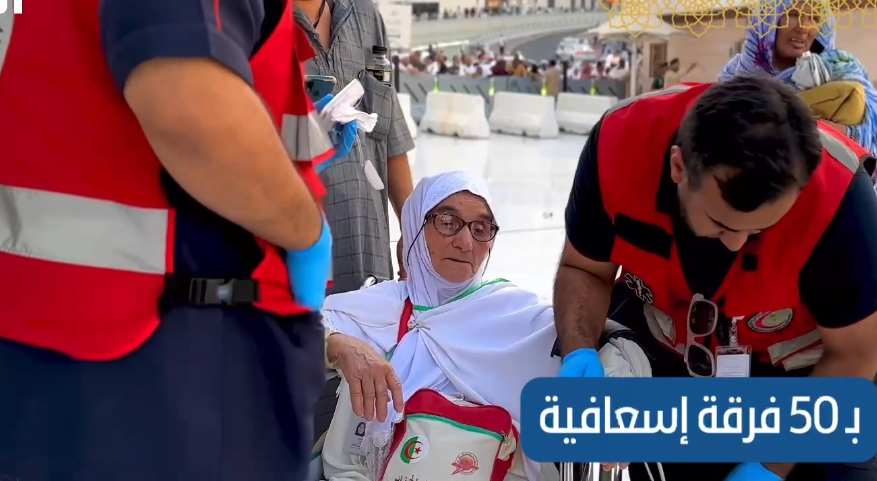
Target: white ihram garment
(482,340)
(485,346)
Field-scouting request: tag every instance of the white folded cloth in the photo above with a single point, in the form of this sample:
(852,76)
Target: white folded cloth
(341,108)
(810,71)
(622,357)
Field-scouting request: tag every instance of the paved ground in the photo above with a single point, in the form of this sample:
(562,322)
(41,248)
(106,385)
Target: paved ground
(529,180)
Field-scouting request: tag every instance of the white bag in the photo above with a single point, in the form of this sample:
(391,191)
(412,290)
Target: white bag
(442,438)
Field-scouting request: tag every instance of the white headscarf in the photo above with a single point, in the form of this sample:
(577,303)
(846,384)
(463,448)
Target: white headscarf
(425,286)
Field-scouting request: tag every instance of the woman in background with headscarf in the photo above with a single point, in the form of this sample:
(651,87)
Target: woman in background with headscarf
(781,33)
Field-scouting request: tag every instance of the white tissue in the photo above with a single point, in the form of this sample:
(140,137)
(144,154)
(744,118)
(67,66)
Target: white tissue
(341,108)
(343,114)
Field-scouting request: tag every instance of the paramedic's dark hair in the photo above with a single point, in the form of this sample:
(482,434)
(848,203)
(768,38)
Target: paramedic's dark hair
(758,128)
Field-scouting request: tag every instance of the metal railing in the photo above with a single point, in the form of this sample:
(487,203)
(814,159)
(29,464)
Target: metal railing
(418,86)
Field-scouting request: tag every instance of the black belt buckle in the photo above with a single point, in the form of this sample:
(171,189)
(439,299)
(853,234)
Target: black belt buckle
(214,292)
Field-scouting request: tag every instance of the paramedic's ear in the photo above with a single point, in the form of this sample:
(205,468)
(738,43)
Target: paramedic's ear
(677,165)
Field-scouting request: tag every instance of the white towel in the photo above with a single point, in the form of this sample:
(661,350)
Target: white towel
(810,71)
(341,108)
(622,357)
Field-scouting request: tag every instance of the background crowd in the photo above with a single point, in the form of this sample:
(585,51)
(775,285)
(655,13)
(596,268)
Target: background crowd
(613,61)
(495,11)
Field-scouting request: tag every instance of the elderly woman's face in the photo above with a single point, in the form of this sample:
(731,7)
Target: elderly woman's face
(796,32)
(457,251)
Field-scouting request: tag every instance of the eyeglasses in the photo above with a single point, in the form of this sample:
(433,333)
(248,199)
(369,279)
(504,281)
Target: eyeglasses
(449,225)
(703,316)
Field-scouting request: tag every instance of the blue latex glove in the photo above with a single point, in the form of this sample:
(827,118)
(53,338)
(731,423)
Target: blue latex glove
(309,271)
(343,136)
(321,104)
(581,363)
(752,472)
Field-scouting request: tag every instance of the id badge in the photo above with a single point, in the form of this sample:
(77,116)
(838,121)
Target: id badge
(733,361)
(355,434)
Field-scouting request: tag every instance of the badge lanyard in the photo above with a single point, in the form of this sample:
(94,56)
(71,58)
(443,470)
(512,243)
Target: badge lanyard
(733,360)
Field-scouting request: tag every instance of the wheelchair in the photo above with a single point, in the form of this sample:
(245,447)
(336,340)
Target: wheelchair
(328,400)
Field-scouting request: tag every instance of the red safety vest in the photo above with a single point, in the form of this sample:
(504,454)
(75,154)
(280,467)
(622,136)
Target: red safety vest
(86,230)
(760,292)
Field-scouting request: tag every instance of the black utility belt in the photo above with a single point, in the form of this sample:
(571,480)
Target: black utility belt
(204,292)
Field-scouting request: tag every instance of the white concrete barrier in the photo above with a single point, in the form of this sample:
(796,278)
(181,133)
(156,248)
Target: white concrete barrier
(405,105)
(578,113)
(454,114)
(523,114)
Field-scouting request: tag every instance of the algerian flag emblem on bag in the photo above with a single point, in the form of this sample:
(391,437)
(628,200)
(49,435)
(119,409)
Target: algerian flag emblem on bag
(414,449)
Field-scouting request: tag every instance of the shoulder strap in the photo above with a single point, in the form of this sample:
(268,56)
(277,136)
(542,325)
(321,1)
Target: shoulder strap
(403,320)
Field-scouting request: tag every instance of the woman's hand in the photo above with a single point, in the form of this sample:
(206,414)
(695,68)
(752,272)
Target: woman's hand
(370,376)
(841,128)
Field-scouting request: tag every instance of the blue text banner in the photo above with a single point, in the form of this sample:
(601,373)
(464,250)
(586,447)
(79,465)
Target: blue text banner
(699,420)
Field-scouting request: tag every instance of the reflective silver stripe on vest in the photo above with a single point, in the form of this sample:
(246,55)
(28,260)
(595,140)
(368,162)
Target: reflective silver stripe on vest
(804,358)
(76,230)
(305,136)
(656,93)
(839,151)
(782,350)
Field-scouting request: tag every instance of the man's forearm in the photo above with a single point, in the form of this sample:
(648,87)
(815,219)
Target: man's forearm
(401,184)
(212,133)
(833,365)
(581,301)
(781,470)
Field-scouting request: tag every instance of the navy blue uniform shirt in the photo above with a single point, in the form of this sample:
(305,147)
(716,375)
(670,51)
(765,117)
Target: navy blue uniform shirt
(228,31)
